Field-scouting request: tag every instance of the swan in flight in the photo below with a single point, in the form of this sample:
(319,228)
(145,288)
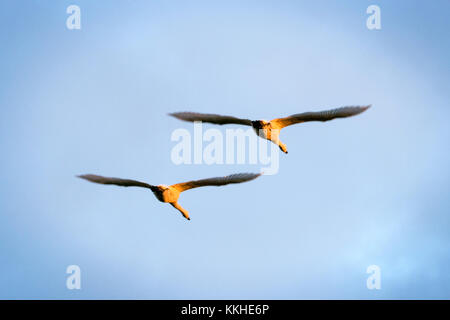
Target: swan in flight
(270,130)
(171,193)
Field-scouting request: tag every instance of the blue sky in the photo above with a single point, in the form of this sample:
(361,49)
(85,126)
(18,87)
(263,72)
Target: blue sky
(351,193)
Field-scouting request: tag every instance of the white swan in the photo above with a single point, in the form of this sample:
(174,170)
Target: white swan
(270,130)
(171,193)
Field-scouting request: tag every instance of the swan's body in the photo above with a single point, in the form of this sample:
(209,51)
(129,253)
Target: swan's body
(170,194)
(270,130)
(265,130)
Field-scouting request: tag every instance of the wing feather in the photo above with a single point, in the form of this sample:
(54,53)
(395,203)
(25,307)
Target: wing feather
(115,181)
(326,115)
(209,117)
(218,181)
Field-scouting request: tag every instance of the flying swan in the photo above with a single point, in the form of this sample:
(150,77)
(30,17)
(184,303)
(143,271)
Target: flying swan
(270,130)
(171,193)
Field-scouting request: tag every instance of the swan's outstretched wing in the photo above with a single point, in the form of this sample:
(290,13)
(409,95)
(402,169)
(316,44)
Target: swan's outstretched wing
(343,112)
(211,118)
(115,181)
(218,181)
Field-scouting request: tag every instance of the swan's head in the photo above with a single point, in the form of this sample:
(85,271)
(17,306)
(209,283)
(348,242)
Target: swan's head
(259,124)
(158,189)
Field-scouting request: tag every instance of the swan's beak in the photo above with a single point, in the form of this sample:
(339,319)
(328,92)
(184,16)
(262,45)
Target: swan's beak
(283,148)
(186,215)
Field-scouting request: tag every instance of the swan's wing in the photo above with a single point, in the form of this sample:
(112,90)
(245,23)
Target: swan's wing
(218,181)
(211,118)
(327,115)
(115,181)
